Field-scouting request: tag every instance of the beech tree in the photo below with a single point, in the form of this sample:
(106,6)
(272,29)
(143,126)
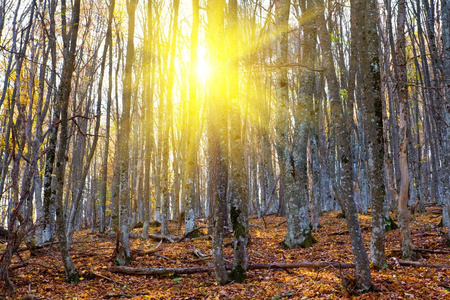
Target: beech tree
(62,101)
(341,126)
(400,54)
(366,51)
(123,252)
(445,143)
(292,162)
(238,178)
(216,139)
(124,117)
(192,126)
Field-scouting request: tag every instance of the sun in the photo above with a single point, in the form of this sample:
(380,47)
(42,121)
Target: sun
(203,69)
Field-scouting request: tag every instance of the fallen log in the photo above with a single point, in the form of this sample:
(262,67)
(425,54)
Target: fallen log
(419,264)
(167,271)
(339,233)
(159,237)
(423,250)
(186,235)
(283,266)
(432,251)
(425,234)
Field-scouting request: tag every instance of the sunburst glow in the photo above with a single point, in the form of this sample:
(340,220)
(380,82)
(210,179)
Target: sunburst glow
(203,70)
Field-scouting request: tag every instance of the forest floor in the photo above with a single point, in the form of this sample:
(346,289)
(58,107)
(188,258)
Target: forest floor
(43,275)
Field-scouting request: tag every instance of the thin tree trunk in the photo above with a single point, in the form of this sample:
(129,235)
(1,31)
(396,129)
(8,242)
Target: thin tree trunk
(149,112)
(445,143)
(402,88)
(42,110)
(85,169)
(239,184)
(191,160)
(168,116)
(104,178)
(123,256)
(116,171)
(63,97)
(340,123)
(49,200)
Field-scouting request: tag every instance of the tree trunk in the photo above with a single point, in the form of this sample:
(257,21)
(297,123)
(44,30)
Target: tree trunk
(303,112)
(149,69)
(216,139)
(402,88)
(166,189)
(445,143)
(42,110)
(49,201)
(123,253)
(292,162)
(63,97)
(104,178)
(193,116)
(239,186)
(340,121)
(367,41)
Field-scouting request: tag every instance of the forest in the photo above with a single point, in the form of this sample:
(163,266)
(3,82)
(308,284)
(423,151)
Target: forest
(224,149)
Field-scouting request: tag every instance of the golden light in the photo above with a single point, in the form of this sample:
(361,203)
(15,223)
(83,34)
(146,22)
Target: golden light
(203,69)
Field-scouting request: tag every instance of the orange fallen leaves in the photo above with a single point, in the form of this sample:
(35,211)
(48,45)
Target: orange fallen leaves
(44,276)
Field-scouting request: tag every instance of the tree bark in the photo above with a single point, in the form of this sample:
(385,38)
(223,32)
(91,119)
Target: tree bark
(402,88)
(63,96)
(42,110)
(239,185)
(49,200)
(340,123)
(367,41)
(104,179)
(123,253)
(193,116)
(216,139)
(445,143)
(292,162)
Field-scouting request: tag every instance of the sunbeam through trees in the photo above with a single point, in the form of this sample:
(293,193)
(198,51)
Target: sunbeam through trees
(188,121)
